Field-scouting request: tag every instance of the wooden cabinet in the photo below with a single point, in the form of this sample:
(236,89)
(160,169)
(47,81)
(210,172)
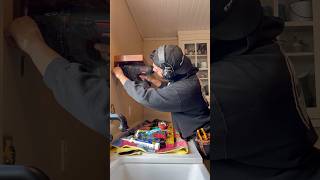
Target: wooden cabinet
(196,45)
(300,43)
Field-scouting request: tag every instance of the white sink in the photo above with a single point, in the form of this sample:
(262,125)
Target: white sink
(139,171)
(159,166)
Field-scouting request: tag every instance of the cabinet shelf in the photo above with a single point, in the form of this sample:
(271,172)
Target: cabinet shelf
(298,23)
(203,69)
(299,53)
(208,99)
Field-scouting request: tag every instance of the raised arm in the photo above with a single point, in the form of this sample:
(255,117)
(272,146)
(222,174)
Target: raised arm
(28,38)
(81,91)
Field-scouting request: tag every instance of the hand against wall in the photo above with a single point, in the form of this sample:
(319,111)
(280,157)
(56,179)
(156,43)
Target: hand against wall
(117,71)
(26,34)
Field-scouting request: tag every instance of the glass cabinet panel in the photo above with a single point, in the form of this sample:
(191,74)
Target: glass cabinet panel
(305,73)
(189,49)
(198,53)
(202,62)
(202,49)
(297,41)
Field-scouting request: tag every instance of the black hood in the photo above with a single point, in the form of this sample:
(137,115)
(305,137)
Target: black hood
(235,19)
(267,31)
(174,57)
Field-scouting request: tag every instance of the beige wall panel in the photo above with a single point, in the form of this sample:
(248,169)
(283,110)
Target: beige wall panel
(125,39)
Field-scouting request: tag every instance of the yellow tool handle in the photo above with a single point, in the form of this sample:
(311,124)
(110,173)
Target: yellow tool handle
(204,134)
(199,135)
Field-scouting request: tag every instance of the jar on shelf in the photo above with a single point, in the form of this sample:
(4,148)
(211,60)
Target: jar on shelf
(298,45)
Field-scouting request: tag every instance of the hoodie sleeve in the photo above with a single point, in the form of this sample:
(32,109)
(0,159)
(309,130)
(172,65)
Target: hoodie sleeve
(81,92)
(162,99)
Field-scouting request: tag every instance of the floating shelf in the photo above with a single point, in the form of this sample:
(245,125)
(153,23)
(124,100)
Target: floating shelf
(298,23)
(203,69)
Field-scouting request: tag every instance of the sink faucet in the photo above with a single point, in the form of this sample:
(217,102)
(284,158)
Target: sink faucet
(123,122)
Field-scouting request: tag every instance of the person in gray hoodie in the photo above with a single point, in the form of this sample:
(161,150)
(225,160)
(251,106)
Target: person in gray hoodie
(179,94)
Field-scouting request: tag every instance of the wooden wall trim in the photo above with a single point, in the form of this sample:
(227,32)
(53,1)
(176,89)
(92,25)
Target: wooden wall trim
(5,19)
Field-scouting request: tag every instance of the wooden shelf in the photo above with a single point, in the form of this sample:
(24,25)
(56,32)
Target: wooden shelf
(126,58)
(298,23)
(208,99)
(203,69)
(300,54)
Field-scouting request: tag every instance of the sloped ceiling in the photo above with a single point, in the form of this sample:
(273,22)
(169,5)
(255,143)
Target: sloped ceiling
(163,18)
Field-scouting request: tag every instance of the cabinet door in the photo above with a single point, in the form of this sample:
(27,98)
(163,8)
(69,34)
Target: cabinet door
(299,45)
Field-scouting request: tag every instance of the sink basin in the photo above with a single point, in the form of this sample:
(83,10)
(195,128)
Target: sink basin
(159,166)
(138,171)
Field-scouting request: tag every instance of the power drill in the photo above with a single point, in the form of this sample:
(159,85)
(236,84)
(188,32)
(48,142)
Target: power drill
(134,69)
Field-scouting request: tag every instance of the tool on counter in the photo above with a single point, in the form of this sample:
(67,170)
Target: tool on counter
(170,136)
(154,146)
(151,132)
(162,125)
(160,135)
(203,141)
(152,139)
(202,137)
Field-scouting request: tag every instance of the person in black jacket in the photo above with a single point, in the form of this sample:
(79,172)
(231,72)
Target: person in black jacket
(260,125)
(180,94)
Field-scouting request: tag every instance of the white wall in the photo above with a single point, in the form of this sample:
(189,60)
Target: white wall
(125,39)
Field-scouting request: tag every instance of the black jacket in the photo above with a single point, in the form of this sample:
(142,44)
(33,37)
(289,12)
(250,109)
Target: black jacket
(258,112)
